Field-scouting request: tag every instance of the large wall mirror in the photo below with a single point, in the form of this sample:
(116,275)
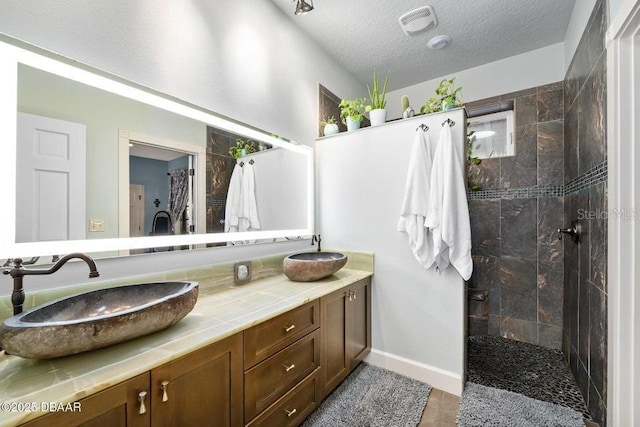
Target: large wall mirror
(96,164)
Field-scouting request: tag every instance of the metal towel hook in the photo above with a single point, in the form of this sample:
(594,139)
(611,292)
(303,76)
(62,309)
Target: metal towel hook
(451,122)
(573,231)
(423,127)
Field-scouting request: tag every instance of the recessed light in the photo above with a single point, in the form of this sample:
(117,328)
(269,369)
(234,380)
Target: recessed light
(439,42)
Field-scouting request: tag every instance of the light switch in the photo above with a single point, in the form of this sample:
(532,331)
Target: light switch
(96,225)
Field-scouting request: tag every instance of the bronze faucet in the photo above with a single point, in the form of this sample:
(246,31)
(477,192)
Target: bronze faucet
(315,239)
(18,272)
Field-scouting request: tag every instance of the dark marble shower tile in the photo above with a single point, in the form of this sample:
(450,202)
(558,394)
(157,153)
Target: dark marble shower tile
(571,144)
(518,228)
(526,110)
(485,226)
(580,66)
(592,125)
(550,105)
(583,212)
(598,237)
(597,27)
(597,407)
(571,252)
(219,141)
(518,289)
(582,378)
(598,340)
(519,330)
(518,94)
(551,153)
(584,321)
(550,292)
(494,325)
(550,336)
(570,92)
(521,170)
(550,87)
(486,276)
(486,174)
(565,345)
(550,218)
(570,306)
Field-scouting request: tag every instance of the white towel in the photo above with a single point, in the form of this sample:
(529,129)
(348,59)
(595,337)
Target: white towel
(232,208)
(448,217)
(415,205)
(248,208)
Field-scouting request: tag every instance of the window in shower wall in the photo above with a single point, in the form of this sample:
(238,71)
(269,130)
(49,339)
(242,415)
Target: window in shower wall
(493,135)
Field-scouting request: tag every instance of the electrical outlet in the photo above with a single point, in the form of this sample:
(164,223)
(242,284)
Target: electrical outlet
(96,225)
(242,272)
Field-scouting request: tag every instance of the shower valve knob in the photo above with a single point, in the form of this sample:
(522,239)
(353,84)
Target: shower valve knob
(573,231)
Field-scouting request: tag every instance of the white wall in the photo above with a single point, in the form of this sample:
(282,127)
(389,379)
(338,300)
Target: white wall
(245,60)
(579,19)
(530,69)
(418,316)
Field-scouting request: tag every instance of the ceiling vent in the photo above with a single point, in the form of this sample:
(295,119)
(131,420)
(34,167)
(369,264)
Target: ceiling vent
(418,20)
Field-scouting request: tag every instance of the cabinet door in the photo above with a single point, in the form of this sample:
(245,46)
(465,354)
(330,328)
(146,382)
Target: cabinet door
(334,351)
(203,388)
(117,406)
(359,322)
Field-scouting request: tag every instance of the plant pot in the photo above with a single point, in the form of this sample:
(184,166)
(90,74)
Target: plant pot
(447,105)
(352,124)
(378,116)
(331,129)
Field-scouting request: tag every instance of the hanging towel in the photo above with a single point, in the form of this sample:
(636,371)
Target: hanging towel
(448,217)
(248,218)
(415,205)
(232,208)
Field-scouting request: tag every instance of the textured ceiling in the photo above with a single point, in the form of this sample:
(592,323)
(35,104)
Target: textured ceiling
(365,34)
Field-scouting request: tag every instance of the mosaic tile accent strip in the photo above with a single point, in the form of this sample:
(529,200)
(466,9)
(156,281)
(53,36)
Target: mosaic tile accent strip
(519,193)
(532,370)
(593,176)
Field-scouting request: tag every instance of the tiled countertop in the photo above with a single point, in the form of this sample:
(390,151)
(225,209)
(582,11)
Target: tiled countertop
(221,311)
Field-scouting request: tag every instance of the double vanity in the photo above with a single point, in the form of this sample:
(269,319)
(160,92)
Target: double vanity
(263,353)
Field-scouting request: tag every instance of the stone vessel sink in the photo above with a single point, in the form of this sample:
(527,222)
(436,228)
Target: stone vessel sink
(96,319)
(311,266)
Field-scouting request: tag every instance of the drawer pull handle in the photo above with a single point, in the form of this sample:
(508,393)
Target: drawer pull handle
(141,397)
(289,328)
(290,412)
(288,368)
(354,295)
(165,396)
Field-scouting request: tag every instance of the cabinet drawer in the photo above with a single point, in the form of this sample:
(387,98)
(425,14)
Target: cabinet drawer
(268,381)
(293,407)
(267,338)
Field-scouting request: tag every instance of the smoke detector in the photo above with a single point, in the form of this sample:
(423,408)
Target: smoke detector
(418,20)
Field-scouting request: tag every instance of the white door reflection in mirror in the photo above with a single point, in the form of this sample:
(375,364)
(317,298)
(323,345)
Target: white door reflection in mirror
(50,198)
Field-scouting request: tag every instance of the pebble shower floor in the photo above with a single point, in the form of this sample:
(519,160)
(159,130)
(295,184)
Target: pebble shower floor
(528,369)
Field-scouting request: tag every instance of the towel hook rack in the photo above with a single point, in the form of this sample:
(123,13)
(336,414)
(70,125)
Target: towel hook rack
(250,162)
(423,127)
(451,122)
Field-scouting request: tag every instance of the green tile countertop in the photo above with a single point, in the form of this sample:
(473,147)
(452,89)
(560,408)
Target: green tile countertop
(222,310)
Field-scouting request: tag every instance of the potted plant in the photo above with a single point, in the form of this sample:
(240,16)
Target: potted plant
(351,111)
(330,126)
(242,148)
(448,97)
(377,113)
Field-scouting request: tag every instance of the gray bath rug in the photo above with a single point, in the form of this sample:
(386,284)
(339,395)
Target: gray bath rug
(372,397)
(482,406)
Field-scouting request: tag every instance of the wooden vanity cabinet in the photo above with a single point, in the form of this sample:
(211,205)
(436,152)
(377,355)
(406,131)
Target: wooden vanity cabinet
(117,406)
(345,319)
(202,388)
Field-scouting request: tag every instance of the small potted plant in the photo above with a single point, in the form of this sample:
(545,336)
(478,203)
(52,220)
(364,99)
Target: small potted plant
(448,97)
(242,148)
(377,113)
(351,112)
(330,126)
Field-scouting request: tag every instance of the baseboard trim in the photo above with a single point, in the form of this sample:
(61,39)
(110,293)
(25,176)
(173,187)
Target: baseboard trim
(436,377)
